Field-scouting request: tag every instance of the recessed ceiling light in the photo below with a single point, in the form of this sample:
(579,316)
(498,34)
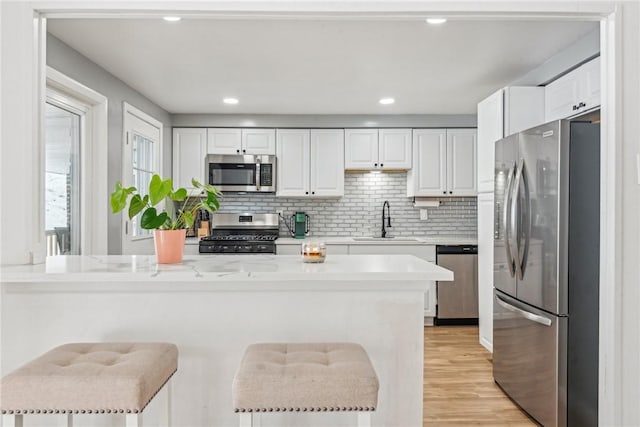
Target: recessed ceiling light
(231,101)
(386,101)
(436,21)
(172,18)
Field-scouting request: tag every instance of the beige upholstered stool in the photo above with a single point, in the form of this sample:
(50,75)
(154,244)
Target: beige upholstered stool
(88,378)
(305,377)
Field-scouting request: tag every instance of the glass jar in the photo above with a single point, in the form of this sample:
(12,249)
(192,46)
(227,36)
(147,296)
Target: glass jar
(314,252)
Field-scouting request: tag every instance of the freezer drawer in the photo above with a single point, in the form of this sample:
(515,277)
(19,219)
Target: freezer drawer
(529,359)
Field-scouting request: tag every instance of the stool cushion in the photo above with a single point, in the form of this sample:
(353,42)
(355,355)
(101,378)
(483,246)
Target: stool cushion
(90,378)
(305,377)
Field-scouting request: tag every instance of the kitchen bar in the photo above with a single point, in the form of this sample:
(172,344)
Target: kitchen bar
(213,307)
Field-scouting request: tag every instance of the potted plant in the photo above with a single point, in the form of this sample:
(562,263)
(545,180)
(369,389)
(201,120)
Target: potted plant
(170,224)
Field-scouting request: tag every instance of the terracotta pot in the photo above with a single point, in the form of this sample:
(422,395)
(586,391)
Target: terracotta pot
(169,245)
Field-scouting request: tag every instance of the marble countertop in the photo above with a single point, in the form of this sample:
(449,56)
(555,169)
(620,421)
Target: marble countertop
(398,240)
(216,269)
(350,240)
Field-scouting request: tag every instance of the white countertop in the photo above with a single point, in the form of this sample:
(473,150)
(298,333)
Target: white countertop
(399,240)
(349,240)
(216,269)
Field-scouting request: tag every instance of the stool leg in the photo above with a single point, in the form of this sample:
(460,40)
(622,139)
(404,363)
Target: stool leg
(12,420)
(69,419)
(364,419)
(246,419)
(169,403)
(134,420)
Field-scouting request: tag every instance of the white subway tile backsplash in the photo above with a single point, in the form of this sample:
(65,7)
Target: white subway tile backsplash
(359,211)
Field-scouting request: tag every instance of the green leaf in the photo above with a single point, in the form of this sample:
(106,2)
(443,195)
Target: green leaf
(136,205)
(119,197)
(150,219)
(195,183)
(179,195)
(188,219)
(159,189)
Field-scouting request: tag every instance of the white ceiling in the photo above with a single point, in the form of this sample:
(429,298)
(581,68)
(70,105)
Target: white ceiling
(279,66)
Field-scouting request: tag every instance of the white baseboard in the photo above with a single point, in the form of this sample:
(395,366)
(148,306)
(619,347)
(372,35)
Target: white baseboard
(486,344)
(428,321)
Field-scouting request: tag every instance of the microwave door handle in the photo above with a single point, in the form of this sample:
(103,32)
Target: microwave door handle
(506,221)
(526,227)
(527,315)
(515,215)
(257,176)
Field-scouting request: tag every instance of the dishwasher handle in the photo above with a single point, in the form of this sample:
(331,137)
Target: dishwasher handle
(457,249)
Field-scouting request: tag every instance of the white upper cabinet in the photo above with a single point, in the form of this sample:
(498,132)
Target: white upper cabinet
(292,152)
(461,162)
(428,177)
(361,149)
(444,163)
(258,141)
(394,148)
(574,93)
(507,111)
(367,149)
(327,162)
(310,162)
(189,147)
(224,141)
(241,141)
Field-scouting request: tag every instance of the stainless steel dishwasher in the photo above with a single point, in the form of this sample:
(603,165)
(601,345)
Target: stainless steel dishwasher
(457,301)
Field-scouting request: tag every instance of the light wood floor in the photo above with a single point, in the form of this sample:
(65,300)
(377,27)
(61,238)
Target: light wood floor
(458,382)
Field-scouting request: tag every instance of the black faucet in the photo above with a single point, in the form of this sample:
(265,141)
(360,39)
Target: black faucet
(386,204)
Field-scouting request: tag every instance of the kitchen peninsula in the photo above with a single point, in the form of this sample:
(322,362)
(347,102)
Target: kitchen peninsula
(212,307)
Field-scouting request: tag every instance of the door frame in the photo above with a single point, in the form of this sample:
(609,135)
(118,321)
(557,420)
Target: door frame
(93,170)
(608,13)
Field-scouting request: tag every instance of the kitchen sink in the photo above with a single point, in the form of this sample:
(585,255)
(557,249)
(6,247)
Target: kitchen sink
(385,239)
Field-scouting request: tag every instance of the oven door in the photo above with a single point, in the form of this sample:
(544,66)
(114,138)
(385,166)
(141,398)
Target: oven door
(242,173)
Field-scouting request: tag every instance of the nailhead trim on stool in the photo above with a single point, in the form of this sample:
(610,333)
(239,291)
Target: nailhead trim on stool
(313,377)
(90,378)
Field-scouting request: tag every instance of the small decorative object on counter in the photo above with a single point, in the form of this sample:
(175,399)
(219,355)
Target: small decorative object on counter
(314,252)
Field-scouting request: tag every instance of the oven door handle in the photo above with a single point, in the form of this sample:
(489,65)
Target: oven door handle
(258,175)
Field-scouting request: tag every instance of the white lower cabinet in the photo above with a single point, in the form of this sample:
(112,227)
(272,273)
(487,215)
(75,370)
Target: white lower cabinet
(425,252)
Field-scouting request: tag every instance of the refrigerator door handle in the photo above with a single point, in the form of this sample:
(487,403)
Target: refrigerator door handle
(506,209)
(527,315)
(513,221)
(521,249)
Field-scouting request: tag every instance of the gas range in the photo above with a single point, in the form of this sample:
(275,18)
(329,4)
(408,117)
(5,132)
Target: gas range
(241,233)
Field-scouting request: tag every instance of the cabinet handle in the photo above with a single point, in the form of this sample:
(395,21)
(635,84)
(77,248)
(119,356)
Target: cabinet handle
(582,104)
(444,192)
(238,151)
(381,164)
(375,164)
(313,192)
(306,192)
(450,192)
(575,107)
(244,151)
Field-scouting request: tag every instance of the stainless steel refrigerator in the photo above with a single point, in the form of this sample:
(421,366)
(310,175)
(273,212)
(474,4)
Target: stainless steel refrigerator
(546,271)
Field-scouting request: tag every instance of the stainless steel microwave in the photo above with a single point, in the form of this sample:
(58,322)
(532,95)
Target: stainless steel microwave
(245,173)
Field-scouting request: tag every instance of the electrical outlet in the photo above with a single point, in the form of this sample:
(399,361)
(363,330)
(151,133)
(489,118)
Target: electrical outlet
(424,215)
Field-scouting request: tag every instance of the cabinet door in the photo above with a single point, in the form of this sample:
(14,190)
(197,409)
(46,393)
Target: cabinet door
(223,141)
(258,141)
(188,156)
(293,162)
(429,173)
(590,84)
(490,129)
(361,149)
(327,162)
(394,148)
(461,162)
(485,268)
(561,96)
